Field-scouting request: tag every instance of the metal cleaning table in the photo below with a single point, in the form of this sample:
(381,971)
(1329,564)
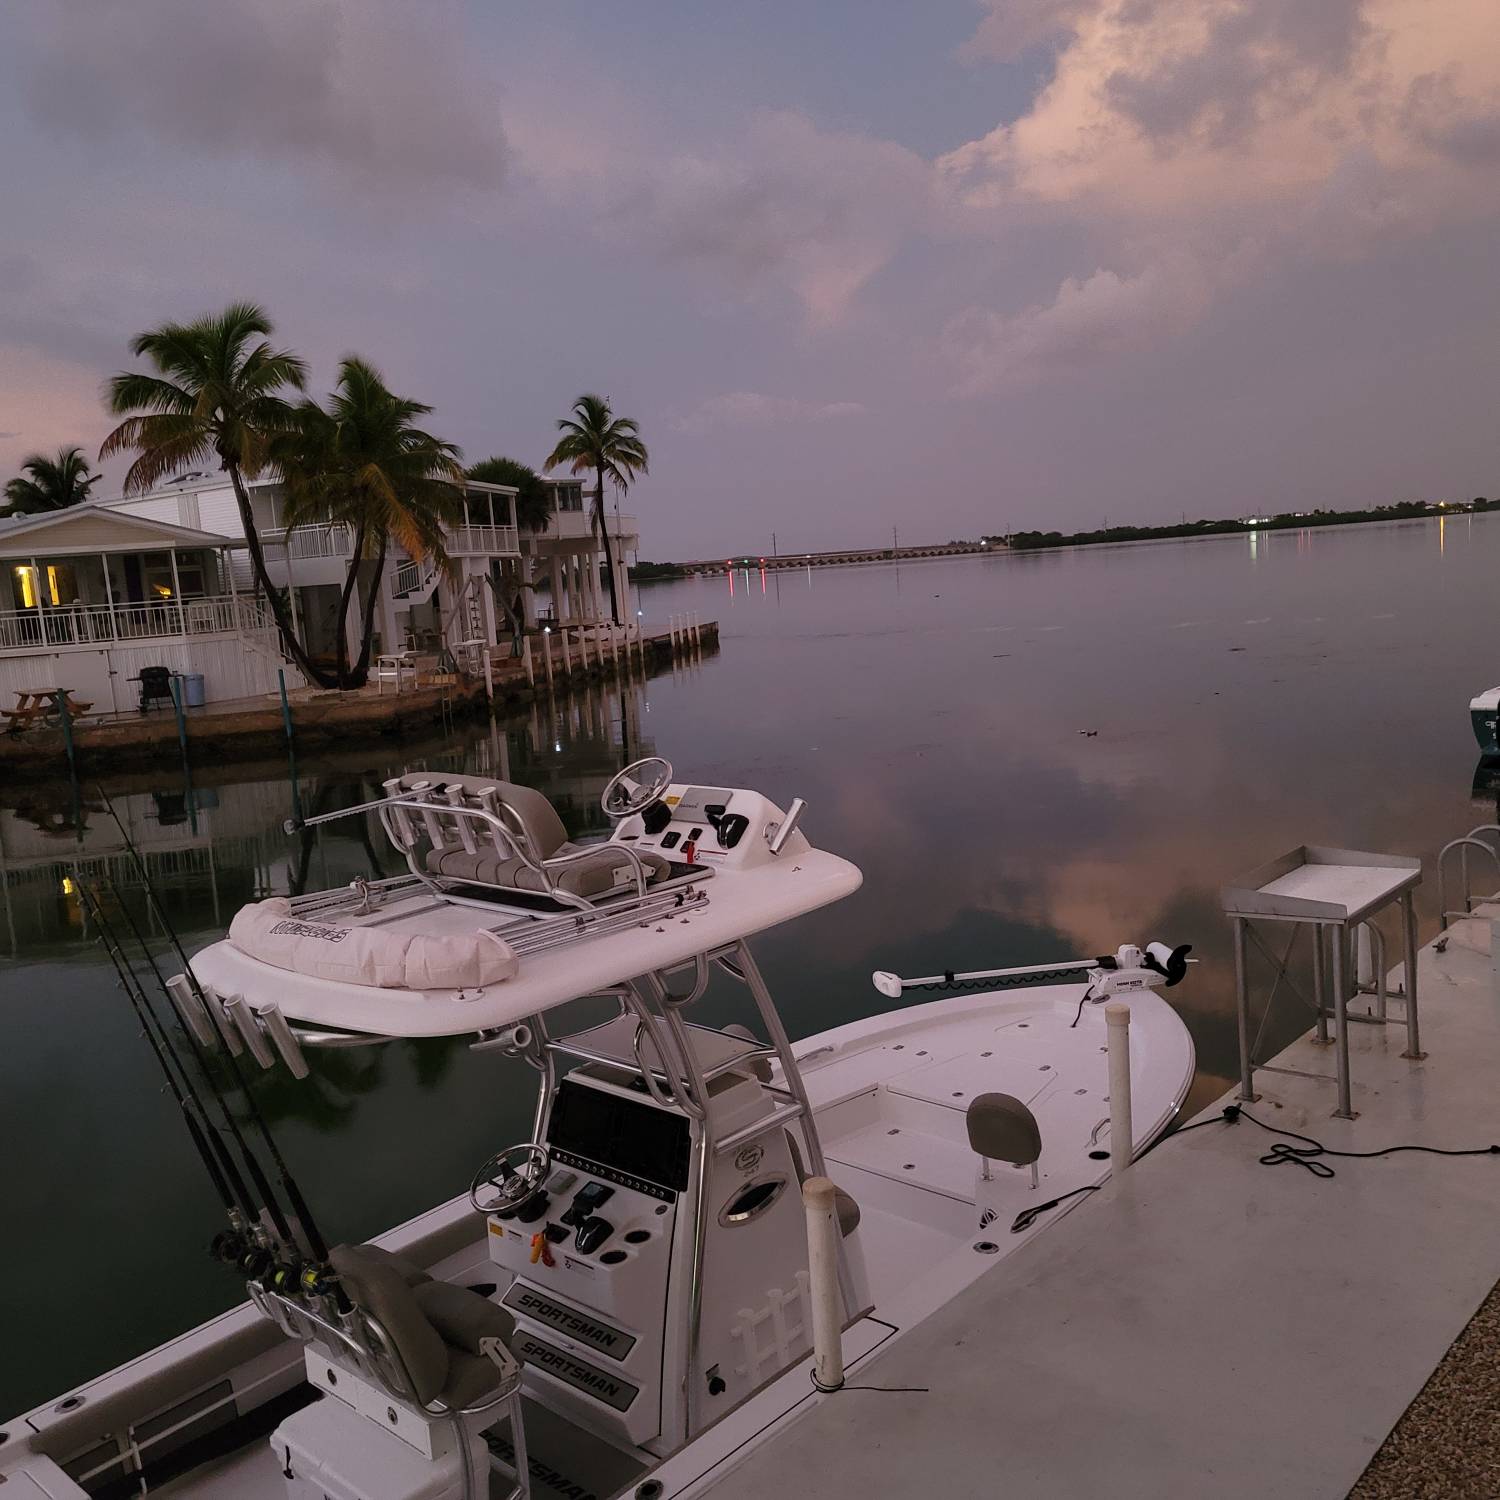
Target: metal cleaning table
(1333,893)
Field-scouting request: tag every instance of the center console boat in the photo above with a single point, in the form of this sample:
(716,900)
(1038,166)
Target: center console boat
(625,1303)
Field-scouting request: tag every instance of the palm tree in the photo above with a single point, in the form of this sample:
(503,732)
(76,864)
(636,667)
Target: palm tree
(533,498)
(361,462)
(594,438)
(217,393)
(54,483)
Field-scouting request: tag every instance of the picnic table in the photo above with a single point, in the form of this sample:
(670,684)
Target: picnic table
(44,705)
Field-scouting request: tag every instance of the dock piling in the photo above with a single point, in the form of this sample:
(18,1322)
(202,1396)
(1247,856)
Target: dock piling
(1121,1127)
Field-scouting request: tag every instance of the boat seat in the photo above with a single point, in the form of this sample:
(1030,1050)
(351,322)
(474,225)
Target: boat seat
(1002,1128)
(464,849)
(606,868)
(435,1327)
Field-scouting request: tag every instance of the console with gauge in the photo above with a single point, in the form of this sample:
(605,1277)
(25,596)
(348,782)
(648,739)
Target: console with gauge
(720,827)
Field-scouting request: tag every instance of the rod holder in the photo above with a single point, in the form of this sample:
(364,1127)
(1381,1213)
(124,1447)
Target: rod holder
(275,1026)
(819,1200)
(1121,1127)
(229,1033)
(244,1022)
(190,1011)
(788,825)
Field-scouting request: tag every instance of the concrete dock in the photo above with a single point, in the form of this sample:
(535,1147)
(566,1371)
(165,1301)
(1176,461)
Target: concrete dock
(1208,1325)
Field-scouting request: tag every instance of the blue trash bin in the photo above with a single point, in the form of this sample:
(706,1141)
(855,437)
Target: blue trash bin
(192,689)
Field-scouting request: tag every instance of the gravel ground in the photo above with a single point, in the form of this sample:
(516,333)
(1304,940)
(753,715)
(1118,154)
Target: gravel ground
(1447,1445)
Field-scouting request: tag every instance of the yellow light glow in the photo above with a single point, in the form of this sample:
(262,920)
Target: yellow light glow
(52,589)
(67,885)
(26,582)
(163,591)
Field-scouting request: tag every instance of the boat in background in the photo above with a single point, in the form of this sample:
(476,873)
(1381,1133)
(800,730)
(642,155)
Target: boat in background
(1484,714)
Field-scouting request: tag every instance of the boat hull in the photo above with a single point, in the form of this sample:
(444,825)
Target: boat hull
(1484,718)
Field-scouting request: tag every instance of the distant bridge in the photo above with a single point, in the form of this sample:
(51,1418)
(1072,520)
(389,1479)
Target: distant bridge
(784,560)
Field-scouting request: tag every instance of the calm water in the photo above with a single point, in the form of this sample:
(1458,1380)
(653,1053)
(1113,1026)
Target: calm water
(1030,757)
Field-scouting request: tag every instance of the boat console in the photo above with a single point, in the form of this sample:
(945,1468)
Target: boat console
(659,1259)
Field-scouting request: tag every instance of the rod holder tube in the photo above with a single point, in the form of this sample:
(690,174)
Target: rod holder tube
(1121,1127)
(818,1198)
(254,1038)
(282,1039)
(788,825)
(190,1011)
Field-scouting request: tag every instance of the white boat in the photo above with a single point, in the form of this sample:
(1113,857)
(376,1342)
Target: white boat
(627,1303)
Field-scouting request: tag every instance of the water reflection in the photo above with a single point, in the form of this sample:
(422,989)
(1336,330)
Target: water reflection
(1029,757)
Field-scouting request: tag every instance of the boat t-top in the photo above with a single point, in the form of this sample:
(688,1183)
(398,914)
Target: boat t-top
(711,1225)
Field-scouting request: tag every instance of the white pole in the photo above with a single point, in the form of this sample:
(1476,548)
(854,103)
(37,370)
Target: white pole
(672,632)
(547,654)
(697,635)
(614,646)
(526,660)
(823,1275)
(1364,962)
(1121,1130)
(489,676)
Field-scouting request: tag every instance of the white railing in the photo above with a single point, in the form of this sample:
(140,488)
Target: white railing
(311,541)
(485,540)
(99,624)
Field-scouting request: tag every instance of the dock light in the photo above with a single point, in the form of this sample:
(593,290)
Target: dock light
(546,630)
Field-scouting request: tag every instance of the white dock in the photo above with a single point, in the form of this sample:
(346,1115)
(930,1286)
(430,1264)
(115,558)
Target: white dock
(1206,1325)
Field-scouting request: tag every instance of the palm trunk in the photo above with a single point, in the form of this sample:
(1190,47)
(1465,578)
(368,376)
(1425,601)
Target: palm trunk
(294,647)
(350,579)
(601,521)
(361,673)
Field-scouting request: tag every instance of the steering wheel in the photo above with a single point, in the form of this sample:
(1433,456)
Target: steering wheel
(635,788)
(513,1178)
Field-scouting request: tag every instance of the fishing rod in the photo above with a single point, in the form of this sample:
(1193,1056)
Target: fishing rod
(316,1244)
(217,1161)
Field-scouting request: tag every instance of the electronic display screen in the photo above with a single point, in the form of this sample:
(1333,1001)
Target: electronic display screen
(636,1139)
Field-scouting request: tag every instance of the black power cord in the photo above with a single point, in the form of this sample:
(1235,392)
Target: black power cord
(1281,1154)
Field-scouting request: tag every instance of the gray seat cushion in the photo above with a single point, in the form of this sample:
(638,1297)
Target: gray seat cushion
(605,869)
(381,1291)
(463,1317)
(1002,1128)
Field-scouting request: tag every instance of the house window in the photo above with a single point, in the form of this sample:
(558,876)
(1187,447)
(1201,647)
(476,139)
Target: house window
(23,583)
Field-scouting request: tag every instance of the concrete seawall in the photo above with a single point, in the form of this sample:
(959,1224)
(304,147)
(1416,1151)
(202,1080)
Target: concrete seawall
(244,727)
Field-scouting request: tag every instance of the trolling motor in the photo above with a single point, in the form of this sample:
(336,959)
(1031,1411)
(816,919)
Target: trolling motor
(1127,969)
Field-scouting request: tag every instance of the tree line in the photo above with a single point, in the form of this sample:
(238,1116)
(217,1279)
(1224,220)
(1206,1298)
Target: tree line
(1405,510)
(217,391)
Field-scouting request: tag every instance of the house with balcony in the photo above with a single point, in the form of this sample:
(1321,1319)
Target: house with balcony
(90,595)
(416,605)
(565,559)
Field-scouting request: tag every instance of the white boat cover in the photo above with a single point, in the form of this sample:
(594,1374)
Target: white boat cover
(376,956)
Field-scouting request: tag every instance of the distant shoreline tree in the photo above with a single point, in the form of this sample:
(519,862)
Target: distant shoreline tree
(47,484)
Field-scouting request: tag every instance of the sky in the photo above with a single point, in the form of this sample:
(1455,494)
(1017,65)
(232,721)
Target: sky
(955,268)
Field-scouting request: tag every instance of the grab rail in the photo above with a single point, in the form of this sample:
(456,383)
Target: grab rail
(1470,840)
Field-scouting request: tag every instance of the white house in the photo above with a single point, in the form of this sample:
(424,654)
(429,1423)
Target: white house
(416,605)
(500,569)
(566,557)
(91,595)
